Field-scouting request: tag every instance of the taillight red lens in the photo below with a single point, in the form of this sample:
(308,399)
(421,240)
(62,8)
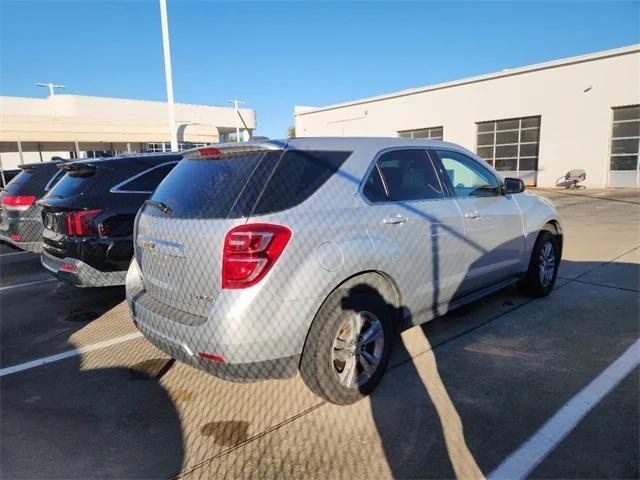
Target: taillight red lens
(80,224)
(202,152)
(250,251)
(18,202)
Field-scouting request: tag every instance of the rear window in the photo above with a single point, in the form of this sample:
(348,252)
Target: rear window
(208,188)
(244,184)
(31,181)
(73,183)
(18,181)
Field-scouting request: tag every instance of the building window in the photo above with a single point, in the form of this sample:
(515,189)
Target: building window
(433,133)
(100,153)
(510,145)
(166,146)
(625,137)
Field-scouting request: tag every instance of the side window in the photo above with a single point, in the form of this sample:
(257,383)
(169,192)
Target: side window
(374,188)
(147,182)
(468,177)
(407,175)
(298,175)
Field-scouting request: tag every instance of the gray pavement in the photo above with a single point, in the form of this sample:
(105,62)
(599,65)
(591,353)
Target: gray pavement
(462,394)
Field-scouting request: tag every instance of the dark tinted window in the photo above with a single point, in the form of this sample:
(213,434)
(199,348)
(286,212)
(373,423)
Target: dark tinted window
(468,178)
(147,182)
(31,181)
(409,175)
(374,188)
(74,183)
(208,188)
(299,174)
(19,180)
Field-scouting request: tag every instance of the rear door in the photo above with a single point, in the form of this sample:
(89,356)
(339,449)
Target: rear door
(416,229)
(492,221)
(180,231)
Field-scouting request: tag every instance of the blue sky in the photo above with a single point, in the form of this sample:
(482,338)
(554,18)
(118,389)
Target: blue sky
(275,55)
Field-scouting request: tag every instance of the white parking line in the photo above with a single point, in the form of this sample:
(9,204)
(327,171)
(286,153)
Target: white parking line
(70,353)
(28,284)
(522,462)
(12,253)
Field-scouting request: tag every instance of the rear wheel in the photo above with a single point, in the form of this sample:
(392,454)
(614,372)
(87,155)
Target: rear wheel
(543,266)
(348,347)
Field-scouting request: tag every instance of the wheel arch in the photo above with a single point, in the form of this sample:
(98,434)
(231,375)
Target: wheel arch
(383,282)
(555,225)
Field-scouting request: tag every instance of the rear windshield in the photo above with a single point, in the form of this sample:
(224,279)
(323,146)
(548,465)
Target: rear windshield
(207,188)
(244,184)
(73,183)
(31,181)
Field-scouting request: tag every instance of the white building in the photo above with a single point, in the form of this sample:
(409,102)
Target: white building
(34,129)
(535,122)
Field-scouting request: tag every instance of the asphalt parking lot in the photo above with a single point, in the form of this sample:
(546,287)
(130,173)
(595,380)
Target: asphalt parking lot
(491,386)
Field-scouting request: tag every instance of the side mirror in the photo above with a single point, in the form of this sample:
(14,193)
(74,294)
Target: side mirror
(512,185)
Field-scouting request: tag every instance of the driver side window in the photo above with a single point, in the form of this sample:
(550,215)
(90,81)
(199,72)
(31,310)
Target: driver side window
(468,177)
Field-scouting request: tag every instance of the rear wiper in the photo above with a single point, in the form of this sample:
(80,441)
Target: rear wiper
(163,207)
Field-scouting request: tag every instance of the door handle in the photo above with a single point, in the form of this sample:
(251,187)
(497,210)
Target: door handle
(395,220)
(472,215)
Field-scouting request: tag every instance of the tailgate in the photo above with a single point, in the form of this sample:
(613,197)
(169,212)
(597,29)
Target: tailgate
(181,259)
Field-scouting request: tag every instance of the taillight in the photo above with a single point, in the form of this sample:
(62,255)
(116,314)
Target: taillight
(80,224)
(18,202)
(250,251)
(202,152)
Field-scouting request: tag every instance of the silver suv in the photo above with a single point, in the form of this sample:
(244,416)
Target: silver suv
(256,260)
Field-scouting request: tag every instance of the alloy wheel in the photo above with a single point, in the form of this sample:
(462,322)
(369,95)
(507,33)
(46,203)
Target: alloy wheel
(547,264)
(357,349)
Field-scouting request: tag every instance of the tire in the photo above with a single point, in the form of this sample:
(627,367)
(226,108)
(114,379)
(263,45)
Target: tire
(325,367)
(536,283)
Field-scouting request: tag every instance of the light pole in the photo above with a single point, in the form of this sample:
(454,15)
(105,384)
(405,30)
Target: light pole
(51,86)
(167,74)
(235,104)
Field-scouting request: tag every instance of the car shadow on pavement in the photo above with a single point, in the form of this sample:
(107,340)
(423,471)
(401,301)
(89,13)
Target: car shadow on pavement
(421,392)
(454,404)
(68,419)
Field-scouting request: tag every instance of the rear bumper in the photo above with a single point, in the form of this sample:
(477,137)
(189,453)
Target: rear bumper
(78,273)
(23,232)
(248,353)
(110,254)
(34,247)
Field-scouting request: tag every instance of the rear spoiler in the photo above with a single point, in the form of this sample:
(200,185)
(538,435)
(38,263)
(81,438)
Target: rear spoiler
(215,150)
(78,168)
(32,166)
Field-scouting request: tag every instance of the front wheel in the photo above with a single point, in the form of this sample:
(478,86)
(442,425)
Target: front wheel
(348,346)
(543,266)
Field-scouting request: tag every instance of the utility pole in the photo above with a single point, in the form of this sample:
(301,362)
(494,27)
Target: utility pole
(167,74)
(51,86)
(235,104)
